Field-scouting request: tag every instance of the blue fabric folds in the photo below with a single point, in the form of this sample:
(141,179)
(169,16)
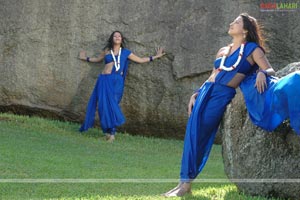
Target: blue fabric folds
(107,94)
(202,126)
(207,113)
(279,102)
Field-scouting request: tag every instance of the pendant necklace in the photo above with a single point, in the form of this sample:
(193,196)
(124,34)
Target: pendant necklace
(223,67)
(117,64)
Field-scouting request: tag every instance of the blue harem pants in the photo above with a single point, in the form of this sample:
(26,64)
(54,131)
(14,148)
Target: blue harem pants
(202,126)
(107,94)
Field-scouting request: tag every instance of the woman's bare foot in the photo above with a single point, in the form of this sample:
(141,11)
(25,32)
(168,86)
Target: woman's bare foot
(111,138)
(179,191)
(172,190)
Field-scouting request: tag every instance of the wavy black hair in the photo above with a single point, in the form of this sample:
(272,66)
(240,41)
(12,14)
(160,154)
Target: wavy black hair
(110,42)
(255,32)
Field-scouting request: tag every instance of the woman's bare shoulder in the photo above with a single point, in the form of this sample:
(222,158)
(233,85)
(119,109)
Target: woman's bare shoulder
(221,52)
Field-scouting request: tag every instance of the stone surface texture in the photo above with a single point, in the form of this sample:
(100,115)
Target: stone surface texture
(40,41)
(260,162)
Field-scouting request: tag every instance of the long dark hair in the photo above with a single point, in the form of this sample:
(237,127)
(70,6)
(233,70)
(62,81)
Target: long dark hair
(255,32)
(110,42)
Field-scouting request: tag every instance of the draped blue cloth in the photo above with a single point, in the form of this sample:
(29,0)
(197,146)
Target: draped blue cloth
(202,126)
(267,110)
(207,113)
(107,95)
(279,102)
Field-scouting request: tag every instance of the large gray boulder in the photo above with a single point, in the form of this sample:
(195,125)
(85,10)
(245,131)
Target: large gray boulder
(251,154)
(40,40)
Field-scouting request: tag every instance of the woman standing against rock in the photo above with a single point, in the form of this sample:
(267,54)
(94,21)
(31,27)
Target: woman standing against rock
(109,87)
(244,58)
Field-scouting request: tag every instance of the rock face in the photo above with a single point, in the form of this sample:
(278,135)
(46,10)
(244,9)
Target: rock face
(40,40)
(251,153)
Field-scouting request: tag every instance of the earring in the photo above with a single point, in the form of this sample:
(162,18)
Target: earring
(244,36)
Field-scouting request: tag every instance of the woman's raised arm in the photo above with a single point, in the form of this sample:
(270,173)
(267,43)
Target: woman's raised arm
(83,56)
(159,53)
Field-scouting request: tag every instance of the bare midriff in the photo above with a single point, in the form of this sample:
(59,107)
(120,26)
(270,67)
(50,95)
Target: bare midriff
(234,82)
(108,68)
(237,79)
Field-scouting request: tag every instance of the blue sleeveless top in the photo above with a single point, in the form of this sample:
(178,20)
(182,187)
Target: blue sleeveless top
(123,61)
(243,67)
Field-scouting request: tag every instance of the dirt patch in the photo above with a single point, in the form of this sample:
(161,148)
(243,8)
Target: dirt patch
(5,119)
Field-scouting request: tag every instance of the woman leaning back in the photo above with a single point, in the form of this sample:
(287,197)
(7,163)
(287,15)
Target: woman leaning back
(109,87)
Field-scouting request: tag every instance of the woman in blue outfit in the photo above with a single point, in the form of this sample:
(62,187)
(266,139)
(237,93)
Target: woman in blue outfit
(109,87)
(242,63)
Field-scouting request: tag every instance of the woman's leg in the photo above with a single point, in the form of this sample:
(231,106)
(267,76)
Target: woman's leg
(199,138)
(200,133)
(112,134)
(109,111)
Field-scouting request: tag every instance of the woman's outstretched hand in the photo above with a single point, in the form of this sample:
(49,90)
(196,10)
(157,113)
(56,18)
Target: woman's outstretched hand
(82,55)
(261,82)
(160,52)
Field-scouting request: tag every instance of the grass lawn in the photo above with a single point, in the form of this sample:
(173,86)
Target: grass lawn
(133,167)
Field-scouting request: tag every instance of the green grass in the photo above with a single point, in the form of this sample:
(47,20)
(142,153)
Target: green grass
(35,148)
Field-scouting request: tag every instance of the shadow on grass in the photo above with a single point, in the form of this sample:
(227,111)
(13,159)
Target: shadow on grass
(93,132)
(196,197)
(242,196)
